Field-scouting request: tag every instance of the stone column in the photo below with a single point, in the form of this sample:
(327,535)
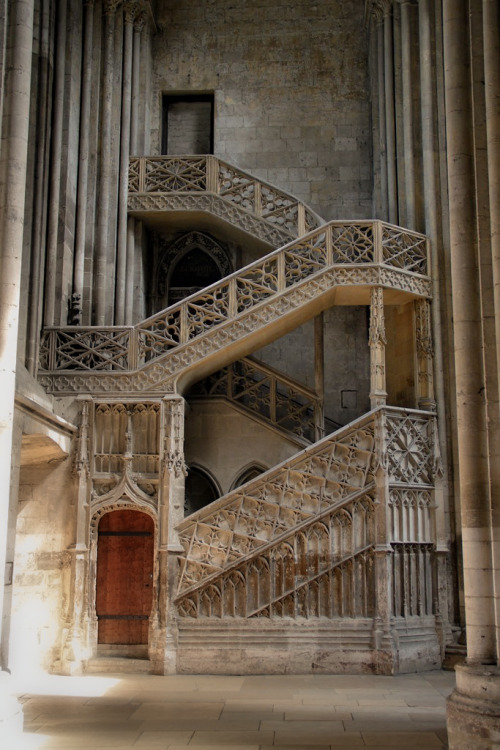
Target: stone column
(102,290)
(432,228)
(83,156)
(39,225)
(491,24)
(13,168)
(425,355)
(75,649)
(377,341)
(409,166)
(171,513)
(473,708)
(139,22)
(390,124)
(378,17)
(51,316)
(130,10)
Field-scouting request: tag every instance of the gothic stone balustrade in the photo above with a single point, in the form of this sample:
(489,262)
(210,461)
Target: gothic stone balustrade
(227,320)
(205,183)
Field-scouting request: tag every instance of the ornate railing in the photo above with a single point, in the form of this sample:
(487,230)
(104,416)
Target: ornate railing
(300,540)
(270,289)
(271,395)
(153,178)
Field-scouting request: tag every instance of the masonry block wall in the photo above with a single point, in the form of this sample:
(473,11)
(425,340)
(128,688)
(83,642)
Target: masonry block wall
(290,81)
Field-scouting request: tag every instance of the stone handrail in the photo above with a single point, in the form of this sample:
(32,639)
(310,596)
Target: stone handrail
(188,176)
(308,519)
(274,397)
(302,274)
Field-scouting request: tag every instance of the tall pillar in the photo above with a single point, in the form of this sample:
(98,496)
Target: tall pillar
(409,162)
(171,513)
(379,18)
(139,22)
(103,260)
(83,156)
(474,706)
(377,341)
(39,224)
(491,25)
(130,9)
(13,168)
(51,315)
(390,124)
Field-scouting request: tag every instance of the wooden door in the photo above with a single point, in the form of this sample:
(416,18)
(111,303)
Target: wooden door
(124,596)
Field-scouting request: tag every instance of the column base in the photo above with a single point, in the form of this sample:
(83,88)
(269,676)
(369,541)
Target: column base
(473,711)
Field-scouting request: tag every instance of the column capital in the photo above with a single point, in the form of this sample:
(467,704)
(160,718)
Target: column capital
(88,3)
(130,11)
(140,17)
(381,8)
(109,7)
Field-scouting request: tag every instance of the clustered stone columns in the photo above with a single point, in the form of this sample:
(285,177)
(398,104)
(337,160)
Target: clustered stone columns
(110,294)
(474,707)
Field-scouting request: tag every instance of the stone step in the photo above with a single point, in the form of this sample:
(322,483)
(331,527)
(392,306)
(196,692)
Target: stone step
(118,664)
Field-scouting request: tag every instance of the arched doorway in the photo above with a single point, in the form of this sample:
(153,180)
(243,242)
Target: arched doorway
(124,580)
(200,490)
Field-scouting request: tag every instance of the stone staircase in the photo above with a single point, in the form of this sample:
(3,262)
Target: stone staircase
(340,262)
(341,536)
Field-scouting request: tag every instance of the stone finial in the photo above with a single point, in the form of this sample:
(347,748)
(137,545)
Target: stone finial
(380,9)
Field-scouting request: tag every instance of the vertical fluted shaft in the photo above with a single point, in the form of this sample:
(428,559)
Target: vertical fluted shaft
(382,124)
(39,226)
(390,124)
(491,26)
(83,156)
(51,316)
(466,299)
(431,207)
(134,149)
(121,250)
(13,169)
(102,289)
(409,162)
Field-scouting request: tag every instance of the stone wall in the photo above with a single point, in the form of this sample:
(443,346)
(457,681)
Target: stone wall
(291,91)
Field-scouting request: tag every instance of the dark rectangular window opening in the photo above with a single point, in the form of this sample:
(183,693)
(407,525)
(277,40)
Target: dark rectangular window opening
(188,124)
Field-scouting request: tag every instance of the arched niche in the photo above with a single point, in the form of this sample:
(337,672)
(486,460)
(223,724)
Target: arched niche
(201,489)
(187,265)
(250,472)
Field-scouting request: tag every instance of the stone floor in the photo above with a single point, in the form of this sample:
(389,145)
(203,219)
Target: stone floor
(236,713)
